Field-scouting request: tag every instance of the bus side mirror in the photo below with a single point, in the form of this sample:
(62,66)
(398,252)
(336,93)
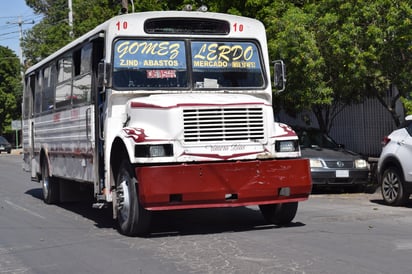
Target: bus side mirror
(279,72)
(104,75)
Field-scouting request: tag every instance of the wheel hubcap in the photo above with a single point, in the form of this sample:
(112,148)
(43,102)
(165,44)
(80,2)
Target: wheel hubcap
(390,186)
(123,200)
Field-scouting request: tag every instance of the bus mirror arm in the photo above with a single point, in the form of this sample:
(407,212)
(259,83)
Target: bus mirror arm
(104,75)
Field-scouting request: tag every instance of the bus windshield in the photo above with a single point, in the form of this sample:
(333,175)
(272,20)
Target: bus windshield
(154,64)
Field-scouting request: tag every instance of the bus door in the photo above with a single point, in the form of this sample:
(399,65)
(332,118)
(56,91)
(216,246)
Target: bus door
(99,99)
(28,128)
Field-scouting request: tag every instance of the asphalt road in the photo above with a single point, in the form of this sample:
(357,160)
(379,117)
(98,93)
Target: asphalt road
(332,233)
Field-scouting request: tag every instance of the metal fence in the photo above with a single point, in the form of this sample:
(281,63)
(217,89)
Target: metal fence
(360,127)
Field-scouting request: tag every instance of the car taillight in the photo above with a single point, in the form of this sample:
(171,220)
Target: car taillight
(385,140)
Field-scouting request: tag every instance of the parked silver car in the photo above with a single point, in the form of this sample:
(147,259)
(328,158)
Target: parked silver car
(331,164)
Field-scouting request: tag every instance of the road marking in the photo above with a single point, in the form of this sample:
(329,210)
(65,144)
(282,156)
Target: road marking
(25,209)
(255,259)
(403,245)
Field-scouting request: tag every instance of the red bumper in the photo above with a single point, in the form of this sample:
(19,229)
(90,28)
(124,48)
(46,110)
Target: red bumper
(224,184)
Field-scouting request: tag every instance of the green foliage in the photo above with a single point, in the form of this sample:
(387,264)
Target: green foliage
(53,32)
(407,103)
(89,14)
(339,52)
(336,52)
(10,88)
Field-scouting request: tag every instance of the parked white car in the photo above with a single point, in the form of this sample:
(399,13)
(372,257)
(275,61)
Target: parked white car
(395,165)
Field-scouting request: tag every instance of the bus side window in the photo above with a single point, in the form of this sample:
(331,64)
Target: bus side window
(29,96)
(64,77)
(38,92)
(82,80)
(48,89)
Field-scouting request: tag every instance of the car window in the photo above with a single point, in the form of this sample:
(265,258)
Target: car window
(409,129)
(312,138)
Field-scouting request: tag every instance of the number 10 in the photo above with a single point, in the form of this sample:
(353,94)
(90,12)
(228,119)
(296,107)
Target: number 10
(121,25)
(237,27)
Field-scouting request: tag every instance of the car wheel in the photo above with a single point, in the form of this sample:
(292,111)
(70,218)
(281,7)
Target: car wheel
(279,214)
(392,187)
(132,218)
(50,185)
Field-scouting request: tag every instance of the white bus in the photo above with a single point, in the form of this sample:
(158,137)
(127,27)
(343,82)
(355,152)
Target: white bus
(161,111)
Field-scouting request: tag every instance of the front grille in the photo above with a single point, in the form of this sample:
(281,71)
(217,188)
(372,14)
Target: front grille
(339,164)
(223,124)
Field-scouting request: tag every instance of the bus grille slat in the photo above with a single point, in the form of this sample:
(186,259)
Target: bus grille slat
(223,124)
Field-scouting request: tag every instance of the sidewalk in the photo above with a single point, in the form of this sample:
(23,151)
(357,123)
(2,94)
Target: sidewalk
(17,151)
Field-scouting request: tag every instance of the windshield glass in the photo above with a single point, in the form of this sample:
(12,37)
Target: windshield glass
(3,140)
(314,138)
(226,64)
(150,64)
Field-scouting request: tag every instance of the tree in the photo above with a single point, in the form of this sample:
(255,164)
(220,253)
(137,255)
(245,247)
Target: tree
(369,49)
(340,52)
(291,38)
(10,88)
(53,31)
(337,52)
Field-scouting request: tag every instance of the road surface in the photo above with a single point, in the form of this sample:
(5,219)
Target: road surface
(332,233)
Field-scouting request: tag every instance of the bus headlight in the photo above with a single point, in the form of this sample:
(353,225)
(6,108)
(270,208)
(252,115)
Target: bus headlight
(155,150)
(287,146)
(360,163)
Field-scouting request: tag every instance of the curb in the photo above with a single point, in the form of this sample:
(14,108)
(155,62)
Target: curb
(18,151)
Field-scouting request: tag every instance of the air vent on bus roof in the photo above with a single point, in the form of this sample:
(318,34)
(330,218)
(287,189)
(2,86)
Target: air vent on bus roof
(186,26)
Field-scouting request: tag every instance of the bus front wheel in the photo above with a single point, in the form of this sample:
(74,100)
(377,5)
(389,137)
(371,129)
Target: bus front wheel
(132,218)
(279,214)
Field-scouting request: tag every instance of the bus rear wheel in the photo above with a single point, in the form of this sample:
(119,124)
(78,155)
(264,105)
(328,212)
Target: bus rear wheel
(279,214)
(50,185)
(132,218)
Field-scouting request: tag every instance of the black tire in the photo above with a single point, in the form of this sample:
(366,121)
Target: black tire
(132,218)
(393,188)
(50,185)
(279,214)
